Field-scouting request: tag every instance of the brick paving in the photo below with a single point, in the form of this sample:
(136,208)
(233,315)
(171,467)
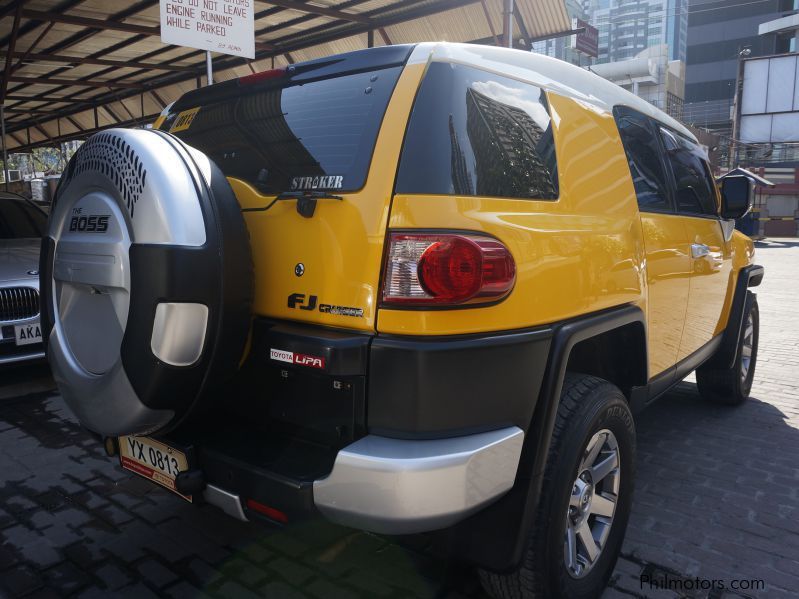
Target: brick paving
(717,497)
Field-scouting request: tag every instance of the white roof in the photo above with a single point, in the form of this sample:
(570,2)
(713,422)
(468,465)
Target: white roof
(545,72)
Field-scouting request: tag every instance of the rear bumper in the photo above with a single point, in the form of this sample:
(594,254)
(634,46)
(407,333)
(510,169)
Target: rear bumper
(379,484)
(397,486)
(395,435)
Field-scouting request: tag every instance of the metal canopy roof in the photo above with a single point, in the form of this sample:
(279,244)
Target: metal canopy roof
(75,66)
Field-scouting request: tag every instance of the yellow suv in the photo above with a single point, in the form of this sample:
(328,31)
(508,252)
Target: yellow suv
(413,289)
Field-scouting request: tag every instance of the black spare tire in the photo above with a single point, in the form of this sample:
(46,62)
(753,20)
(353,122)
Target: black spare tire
(146,278)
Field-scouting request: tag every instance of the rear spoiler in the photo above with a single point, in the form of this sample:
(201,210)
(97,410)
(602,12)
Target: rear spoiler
(302,72)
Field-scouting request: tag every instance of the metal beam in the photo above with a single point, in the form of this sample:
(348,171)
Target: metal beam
(31,26)
(85,33)
(107,25)
(76,82)
(81,134)
(32,47)
(490,24)
(517,15)
(50,99)
(98,61)
(320,11)
(7,71)
(311,37)
(107,108)
(74,123)
(9,8)
(191,55)
(126,109)
(102,25)
(42,131)
(158,98)
(25,111)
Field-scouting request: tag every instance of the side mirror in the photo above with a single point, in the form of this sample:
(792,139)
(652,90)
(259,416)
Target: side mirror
(737,196)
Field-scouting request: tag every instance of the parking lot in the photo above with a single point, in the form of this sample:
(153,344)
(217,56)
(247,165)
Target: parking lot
(716,503)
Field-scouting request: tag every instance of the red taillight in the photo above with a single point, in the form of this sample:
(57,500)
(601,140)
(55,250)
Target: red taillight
(262,76)
(446,269)
(269,512)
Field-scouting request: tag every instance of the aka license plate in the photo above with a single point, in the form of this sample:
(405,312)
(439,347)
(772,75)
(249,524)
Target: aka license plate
(153,460)
(28,333)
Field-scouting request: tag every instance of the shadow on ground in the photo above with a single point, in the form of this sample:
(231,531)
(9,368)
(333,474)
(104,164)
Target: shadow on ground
(73,523)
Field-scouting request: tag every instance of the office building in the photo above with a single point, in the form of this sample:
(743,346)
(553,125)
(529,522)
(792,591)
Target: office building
(720,34)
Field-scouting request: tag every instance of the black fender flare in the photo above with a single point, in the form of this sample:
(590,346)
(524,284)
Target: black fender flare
(495,538)
(724,358)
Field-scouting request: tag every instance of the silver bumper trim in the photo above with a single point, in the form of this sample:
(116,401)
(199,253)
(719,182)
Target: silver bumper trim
(397,486)
(225,501)
(39,355)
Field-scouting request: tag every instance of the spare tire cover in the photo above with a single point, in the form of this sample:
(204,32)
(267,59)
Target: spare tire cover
(146,278)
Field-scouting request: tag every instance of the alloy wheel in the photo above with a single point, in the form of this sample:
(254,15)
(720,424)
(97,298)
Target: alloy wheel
(592,503)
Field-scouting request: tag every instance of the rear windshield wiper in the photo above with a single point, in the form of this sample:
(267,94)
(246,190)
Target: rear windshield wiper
(306,201)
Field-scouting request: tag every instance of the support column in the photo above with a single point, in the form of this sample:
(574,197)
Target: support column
(508,24)
(3,134)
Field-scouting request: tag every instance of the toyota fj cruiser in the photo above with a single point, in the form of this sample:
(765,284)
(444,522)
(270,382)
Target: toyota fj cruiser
(413,289)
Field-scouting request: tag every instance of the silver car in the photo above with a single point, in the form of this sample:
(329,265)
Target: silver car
(22,224)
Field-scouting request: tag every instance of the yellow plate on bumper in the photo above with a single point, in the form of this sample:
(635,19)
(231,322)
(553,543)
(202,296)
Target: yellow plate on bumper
(153,460)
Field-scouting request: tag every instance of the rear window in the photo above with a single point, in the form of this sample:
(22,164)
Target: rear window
(475,133)
(313,135)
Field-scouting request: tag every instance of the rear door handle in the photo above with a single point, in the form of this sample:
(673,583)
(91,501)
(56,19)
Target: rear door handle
(699,250)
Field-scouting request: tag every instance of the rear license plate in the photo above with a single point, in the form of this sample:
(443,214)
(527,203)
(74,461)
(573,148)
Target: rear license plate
(153,460)
(28,333)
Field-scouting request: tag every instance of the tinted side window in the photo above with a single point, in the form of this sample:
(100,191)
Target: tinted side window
(694,191)
(476,133)
(643,156)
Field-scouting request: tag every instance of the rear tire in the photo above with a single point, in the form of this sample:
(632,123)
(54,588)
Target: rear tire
(731,386)
(586,494)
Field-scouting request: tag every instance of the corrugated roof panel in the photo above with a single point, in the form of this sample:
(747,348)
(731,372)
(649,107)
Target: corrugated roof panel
(466,22)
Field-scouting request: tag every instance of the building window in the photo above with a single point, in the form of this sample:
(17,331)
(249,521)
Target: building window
(786,42)
(674,106)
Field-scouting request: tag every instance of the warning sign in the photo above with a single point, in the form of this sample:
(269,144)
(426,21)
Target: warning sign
(224,26)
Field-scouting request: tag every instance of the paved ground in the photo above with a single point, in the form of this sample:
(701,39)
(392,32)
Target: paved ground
(717,497)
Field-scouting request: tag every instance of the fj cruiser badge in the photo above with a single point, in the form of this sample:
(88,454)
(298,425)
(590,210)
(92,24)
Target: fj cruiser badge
(299,300)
